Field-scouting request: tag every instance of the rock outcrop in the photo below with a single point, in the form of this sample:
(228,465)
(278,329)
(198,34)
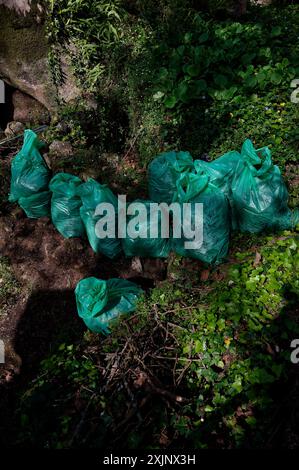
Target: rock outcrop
(28,110)
(24,52)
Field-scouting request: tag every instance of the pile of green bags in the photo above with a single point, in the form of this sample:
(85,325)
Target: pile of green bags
(243,191)
(255,189)
(100,302)
(30,178)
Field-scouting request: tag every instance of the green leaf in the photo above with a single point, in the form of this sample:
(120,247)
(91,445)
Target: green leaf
(225,94)
(188,38)
(251,421)
(193,70)
(276,78)
(163,73)
(237,385)
(158,96)
(181,51)
(250,82)
(182,91)
(170,102)
(209,409)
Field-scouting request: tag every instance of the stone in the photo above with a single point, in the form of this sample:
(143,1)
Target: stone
(88,173)
(17,213)
(154,268)
(136,265)
(62,127)
(47,160)
(110,160)
(28,110)
(60,149)
(24,55)
(21,6)
(14,128)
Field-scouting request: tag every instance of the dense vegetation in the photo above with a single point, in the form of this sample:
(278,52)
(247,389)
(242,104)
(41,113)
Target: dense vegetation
(197,364)
(178,77)
(205,361)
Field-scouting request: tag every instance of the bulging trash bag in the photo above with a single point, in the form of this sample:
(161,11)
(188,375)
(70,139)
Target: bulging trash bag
(147,244)
(259,194)
(215,223)
(36,206)
(92,194)
(29,172)
(100,302)
(163,173)
(65,205)
(221,171)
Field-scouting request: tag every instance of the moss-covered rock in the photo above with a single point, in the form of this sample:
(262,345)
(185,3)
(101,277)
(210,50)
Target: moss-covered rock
(24,56)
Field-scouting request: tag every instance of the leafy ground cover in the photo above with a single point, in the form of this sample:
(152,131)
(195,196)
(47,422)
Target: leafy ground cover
(205,361)
(202,363)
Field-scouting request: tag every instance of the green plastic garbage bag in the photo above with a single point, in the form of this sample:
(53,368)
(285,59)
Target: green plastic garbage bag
(259,194)
(92,194)
(145,245)
(196,188)
(29,172)
(163,173)
(99,302)
(65,205)
(221,171)
(38,205)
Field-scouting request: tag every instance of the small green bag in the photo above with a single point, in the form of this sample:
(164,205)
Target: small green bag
(92,194)
(163,173)
(259,194)
(65,205)
(30,178)
(146,246)
(196,188)
(29,172)
(100,302)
